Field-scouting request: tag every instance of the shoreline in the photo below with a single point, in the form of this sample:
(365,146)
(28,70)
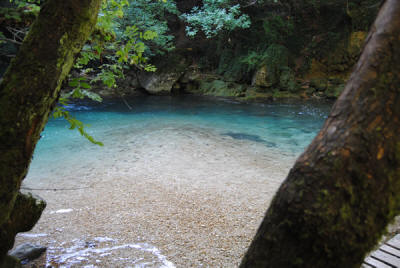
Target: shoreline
(196,197)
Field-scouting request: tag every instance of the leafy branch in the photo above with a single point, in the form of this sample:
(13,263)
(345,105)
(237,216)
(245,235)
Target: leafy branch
(61,111)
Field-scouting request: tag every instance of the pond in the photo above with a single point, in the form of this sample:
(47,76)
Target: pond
(181,181)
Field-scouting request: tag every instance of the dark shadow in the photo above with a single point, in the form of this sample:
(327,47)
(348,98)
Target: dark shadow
(250,137)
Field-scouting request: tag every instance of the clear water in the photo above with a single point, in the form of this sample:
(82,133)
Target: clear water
(65,160)
(286,126)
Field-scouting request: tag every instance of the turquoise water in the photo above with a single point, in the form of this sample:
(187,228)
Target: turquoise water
(286,126)
(167,161)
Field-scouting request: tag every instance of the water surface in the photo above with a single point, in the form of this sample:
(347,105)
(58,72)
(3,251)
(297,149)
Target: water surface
(180,181)
(286,126)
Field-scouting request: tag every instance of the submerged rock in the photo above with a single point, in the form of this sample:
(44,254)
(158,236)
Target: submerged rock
(27,252)
(250,137)
(244,136)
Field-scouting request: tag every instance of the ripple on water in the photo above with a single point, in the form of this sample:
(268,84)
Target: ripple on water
(105,251)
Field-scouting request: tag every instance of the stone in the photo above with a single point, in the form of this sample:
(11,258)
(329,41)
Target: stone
(26,212)
(190,75)
(355,44)
(261,77)
(320,84)
(27,252)
(159,83)
(287,80)
(169,71)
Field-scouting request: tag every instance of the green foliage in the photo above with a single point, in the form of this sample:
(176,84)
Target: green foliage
(115,49)
(11,14)
(215,16)
(81,90)
(275,57)
(61,111)
(150,16)
(363,13)
(115,52)
(287,80)
(253,60)
(277,29)
(28,5)
(87,54)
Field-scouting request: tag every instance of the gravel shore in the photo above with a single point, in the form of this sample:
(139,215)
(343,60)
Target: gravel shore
(163,197)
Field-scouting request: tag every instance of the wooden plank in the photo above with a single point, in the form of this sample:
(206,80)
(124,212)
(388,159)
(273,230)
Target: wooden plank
(386,258)
(366,265)
(394,242)
(391,250)
(375,263)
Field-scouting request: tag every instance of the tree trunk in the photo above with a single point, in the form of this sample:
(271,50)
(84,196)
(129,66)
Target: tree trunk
(28,93)
(345,188)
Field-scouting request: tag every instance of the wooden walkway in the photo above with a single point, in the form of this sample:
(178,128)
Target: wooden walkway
(386,256)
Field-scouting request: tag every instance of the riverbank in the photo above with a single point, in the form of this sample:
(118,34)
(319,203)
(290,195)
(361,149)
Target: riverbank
(166,196)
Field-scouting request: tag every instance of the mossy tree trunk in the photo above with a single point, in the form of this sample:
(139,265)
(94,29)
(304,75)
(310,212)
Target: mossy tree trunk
(345,188)
(28,93)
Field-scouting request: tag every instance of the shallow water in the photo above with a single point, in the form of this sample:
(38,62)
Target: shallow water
(287,126)
(201,153)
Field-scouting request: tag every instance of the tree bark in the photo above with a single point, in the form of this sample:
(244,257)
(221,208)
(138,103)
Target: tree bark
(345,188)
(28,93)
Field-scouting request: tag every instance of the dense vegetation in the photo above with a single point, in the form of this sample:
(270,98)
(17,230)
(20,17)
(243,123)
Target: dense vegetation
(247,49)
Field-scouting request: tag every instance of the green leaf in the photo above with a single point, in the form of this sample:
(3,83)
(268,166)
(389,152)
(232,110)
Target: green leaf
(149,35)
(73,83)
(85,85)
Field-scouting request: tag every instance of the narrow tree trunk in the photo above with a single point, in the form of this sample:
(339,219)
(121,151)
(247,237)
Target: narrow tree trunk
(345,188)
(28,93)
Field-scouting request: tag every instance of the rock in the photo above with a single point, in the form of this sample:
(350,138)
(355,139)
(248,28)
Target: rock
(131,79)
(320,84)
(260,78)
(27,252)
(26,212)
(106,93)
(287,80)
(126,86)
(159,83)
(276,59)
(169,70)
(190,75)
(355,44)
